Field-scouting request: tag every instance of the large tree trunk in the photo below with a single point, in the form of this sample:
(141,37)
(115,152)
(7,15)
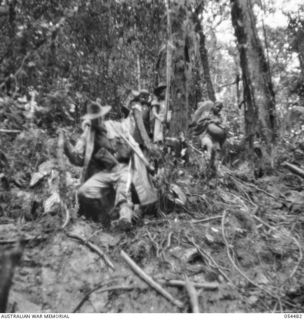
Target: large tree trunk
(204,61)
(180,63)
(299,48)
(11,45)
(257,85)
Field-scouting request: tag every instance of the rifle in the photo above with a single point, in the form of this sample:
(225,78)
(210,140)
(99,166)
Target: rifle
(134,146)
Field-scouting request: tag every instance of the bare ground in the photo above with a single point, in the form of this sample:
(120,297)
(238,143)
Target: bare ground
(240,242)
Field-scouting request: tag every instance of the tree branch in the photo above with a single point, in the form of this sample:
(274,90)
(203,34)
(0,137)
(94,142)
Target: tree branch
(93,247)
(137,270)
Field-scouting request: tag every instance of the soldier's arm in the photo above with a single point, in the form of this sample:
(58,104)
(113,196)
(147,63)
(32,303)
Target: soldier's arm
(105,158)
(141,128)
(75,153)
(216,120)
(155,114)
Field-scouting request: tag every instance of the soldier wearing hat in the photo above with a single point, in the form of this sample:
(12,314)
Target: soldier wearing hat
(159,112)
(145,101)
(207,123)
(105,159)
(139,111)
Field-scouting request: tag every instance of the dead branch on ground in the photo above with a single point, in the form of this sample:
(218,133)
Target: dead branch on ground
(199,285)
(139,272)
(263,222)
(192,295)
(9,131)
(127,288)
(100,287)
(85,298)
(93,247)
(206,219)
(210,260)
(240,181)
(294,169)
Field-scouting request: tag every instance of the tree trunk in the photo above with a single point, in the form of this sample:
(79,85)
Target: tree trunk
(204,61)
(179,121)
(138,73)
(168,60)
(299,47)
(11,45)
(257,86)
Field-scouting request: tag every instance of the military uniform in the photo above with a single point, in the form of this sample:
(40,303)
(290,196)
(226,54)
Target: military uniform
(207,123)
(110,167)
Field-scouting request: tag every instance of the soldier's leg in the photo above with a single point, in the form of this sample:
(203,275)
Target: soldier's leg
(123,201)
(119,180)
(96,197)
(209,161)
(207,145)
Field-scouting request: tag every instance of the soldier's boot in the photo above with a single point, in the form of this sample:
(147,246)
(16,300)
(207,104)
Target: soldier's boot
(126,214)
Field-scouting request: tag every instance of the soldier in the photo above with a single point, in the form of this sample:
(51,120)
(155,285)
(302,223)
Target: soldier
(139,107)
(107,174)
(145,100)
(207,123)
(159,112)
